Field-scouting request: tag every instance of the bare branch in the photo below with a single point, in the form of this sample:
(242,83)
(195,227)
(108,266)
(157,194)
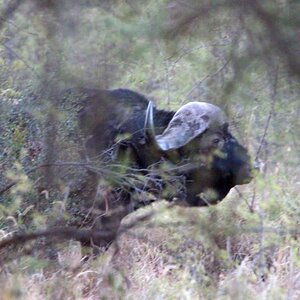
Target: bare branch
(57,234)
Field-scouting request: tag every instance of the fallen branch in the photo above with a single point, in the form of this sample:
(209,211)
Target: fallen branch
(56,234)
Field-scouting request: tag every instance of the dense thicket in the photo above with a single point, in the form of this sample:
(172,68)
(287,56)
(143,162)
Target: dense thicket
(240,55)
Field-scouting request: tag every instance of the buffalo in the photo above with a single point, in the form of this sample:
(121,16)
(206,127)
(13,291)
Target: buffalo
(194,145)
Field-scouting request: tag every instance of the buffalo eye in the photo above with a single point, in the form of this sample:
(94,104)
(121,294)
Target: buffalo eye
(216,141)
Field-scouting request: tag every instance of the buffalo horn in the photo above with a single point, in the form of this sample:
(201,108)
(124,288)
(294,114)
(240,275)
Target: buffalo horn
(149,129)
(189,122)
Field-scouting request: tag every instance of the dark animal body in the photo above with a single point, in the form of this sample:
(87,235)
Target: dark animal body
(108,115)
(195,138)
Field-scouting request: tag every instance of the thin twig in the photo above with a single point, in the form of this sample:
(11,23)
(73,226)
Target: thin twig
(206,77)
(107,170)
(15,54)
(271,112)
(246,201)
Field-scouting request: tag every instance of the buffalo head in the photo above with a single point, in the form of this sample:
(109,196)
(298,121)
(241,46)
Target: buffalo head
(198,135)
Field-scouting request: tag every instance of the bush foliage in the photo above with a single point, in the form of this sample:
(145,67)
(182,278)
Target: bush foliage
(240,55)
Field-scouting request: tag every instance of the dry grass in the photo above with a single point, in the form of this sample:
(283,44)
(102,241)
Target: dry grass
(181,253)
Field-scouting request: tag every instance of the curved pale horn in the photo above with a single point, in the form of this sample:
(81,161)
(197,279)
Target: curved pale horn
(149,130)
(189,122)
